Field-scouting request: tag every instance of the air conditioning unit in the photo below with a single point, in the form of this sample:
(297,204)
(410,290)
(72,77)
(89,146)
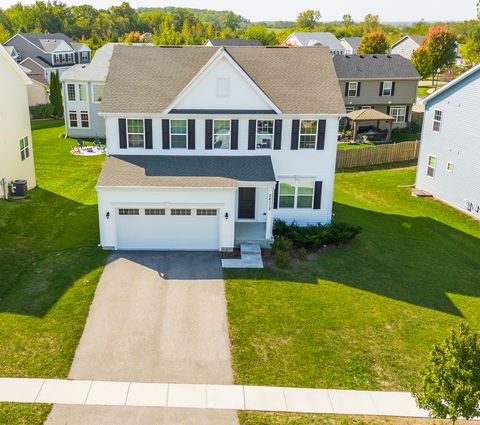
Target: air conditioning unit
(18,188)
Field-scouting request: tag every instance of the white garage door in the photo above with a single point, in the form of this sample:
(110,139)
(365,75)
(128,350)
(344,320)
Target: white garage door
(167,229)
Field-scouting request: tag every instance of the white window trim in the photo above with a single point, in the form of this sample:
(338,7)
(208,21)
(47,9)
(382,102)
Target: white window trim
(300,134)
(429,166)
(405,118)
(258,134)
(69,119)
(229,135)
(128,133)
(25,148)
(389,91)
(356,88)
(179,134)
(295,183)
(79,115)
(74,92)
(439,122)
(86,92)
(93,93)
(86,53)
(446,168)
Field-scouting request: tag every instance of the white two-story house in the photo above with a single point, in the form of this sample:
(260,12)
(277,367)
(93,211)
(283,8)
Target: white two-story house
(449,160)
(208,145)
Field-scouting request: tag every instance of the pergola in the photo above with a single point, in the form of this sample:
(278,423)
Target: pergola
(363,115)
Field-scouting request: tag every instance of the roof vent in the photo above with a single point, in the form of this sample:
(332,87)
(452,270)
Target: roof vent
(347,56)
(362,57)
(389,56)
(375,57)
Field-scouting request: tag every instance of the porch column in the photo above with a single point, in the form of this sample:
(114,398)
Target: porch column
(269,226)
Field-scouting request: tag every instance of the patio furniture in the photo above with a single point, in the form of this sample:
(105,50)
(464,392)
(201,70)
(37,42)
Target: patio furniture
(80,143)
(365,115)
(97,142)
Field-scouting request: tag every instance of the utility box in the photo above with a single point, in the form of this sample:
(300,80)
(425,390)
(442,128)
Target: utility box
(19,188)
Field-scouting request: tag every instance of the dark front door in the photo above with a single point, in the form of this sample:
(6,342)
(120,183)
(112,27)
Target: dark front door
(246,202)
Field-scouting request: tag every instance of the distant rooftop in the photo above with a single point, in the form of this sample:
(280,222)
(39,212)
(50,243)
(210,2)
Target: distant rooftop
(97,70)
(326,39)
(233,42)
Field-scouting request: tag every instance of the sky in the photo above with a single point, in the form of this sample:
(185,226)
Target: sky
(270,10)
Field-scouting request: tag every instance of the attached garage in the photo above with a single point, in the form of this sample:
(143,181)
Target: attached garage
(167,229)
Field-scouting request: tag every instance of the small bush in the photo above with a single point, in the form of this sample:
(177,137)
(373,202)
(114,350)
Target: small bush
(282,259)
(281,244)
(41,111)
(302,253)
(315,236)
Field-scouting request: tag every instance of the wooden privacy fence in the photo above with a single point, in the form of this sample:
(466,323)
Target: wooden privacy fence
(381,154)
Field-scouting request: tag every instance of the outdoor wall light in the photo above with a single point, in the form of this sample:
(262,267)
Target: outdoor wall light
(108,215)
(226,216)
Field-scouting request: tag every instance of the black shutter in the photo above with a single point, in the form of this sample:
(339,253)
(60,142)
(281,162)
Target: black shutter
(317,199)
(359,85)
(234,133)
(388,110)
(346,89)
(148,134)
(381,89)
(321,135)
(208,134)
(295,133)
(122,132)
(277,138)
(166,134)
(275,197)
(407,113)
(251,134)
(393,88)
(191,134)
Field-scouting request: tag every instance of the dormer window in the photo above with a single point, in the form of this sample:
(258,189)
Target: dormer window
(84,56)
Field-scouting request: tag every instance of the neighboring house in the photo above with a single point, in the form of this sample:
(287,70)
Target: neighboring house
(351,44)
(82,87)
(50,52)
(16,155)
(38,91)
(207,146)
(387,83)
(407,45)
(308,39)
(449,160)
(217,42)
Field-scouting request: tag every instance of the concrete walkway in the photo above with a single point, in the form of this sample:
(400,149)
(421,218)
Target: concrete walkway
(204,396)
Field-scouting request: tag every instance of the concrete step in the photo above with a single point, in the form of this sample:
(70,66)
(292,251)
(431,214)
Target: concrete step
(250,248)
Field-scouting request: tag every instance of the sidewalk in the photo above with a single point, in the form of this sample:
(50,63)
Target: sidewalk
(206,396)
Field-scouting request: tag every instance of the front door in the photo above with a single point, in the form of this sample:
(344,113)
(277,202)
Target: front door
(246,203)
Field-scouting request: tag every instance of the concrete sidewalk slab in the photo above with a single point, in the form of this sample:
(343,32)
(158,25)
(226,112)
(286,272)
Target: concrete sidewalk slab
(348,402)
(64,392)
(306,400)
(396,404)
(187,395)
(265,398)
(21,390)
(225,397)
(108,393)
(141,394)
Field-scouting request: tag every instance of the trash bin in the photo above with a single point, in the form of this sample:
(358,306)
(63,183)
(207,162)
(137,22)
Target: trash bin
(20,188)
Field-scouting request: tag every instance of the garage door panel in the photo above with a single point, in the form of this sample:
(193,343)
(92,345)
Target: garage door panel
(167,232)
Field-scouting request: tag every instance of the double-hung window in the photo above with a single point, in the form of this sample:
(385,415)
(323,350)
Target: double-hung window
(399,113)
(85,56)
(82,92)
(73,119)
(84,119)
(296,194)
(24,148)
(264,134)
(221,134)
(308,134)
(97,92)
(178,134)
(71,92)
(431,164)
(387,88)
(135,133)
(437,121)
(352,89)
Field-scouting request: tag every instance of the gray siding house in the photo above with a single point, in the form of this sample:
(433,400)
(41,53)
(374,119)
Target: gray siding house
(449,160)
(50,52)
(82,95)
(351,44)
(407,45)
(309,39)
(386,83)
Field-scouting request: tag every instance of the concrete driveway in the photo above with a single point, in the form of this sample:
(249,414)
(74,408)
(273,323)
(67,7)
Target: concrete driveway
(156,317)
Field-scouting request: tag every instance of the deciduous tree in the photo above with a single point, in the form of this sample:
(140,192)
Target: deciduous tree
(450,386)
(308,19)
(347,20)
(260,33)
(373,43)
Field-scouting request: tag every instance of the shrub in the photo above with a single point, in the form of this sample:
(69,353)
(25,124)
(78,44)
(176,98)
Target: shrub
(281,244)
(315,236)
(302,253)
(41,111)
(282,259)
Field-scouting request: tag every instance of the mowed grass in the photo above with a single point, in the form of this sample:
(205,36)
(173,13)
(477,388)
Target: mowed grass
(23,414)
(51,262)
(364,315)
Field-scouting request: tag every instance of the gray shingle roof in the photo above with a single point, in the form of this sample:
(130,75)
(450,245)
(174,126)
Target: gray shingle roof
(353,41)
(185,171)
(42,40)
(233,42)
(374,66)
(319,38)
(96,70)
(419,39)
(297,80)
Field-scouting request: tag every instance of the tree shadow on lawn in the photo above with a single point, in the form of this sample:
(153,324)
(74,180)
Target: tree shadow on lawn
(47,243)
(417,260)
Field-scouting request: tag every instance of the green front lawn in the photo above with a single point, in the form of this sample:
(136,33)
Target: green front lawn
(365,315)
(348,146)
(405,137)
(51,261)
